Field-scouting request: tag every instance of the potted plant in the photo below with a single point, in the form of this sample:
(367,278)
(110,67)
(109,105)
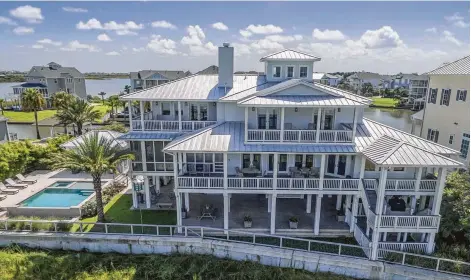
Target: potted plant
(247,221)
(293,223)
(184,213)
(341,215)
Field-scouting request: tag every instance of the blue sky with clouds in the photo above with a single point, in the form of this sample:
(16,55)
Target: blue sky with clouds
(385,37)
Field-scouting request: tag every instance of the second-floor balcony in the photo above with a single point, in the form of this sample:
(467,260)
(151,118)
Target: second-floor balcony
(300,136)
(151,125)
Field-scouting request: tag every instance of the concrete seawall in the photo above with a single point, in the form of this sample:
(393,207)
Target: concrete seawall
(350,266)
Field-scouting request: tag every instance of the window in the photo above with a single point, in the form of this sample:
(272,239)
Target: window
(309,161)
(432,135)
(277,72)
(298,161)
(136,150)
(283,165)
(165,108)
(450,140)
(303,71)
(445,98)
(251,159)
(461,95)
(399,169)
(464,146)
(290,72)
(69,80)
(432,98)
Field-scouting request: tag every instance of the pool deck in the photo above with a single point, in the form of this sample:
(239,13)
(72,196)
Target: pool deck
(45,178)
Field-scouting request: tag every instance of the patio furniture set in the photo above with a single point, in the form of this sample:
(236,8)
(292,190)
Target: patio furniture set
(13,187)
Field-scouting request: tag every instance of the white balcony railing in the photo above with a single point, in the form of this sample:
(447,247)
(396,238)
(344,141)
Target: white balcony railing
(414,247)
(409,185)
(300,136)
(410,222)
(152,125)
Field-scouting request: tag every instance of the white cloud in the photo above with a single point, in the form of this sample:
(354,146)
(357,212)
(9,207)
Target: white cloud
(457,20)
(90,24)
(77,46)
(50,42)
(283,38)
(37,46)
(163,24)
(120,28)
(113,53)
(195,40)
(125,32)
(245,33)
(220,26)
(28,13)
(21,30)
(161,45)
(264,45)
(385,37)
(328,35)
(74,10)
(103,37)
(264,29)
(450,37)
(136,50)
(461,24)
(431,30)
(241,49)
(8,21)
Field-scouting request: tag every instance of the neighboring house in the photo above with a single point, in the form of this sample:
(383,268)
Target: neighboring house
(4,133)
(358,79)
(151,78)
(281,146)
(51,79)
(446,115)
(52,127)
(211,70)
(326,79)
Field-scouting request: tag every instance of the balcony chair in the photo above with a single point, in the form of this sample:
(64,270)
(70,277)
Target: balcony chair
(263,174)
(314,172)
(311,126)
(239,172)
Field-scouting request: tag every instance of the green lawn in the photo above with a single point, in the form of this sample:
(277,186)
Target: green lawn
(14,116)
(384,102)
(118,211)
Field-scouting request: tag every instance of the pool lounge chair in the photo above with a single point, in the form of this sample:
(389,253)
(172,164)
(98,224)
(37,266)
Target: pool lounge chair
(25,180)
(4,189)
(13,184)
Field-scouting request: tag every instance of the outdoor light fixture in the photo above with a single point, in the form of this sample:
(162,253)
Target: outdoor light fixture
(296,109)
(253,109)
(214,103)
(338,109)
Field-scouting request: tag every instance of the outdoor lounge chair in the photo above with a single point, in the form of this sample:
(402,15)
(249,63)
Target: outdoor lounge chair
(13,184)
(24,180)
(5,190)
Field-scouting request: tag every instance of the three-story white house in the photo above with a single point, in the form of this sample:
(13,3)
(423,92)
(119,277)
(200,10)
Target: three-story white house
(279,148)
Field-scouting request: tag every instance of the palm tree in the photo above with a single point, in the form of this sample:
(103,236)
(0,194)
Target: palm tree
(114,103)
(61,100)
(127,88)
(102,94)
(33,100)
(2,104)
(95,155)
(78,113)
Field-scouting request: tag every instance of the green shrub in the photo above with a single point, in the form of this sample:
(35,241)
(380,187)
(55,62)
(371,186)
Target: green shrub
(89,207)
(36,226)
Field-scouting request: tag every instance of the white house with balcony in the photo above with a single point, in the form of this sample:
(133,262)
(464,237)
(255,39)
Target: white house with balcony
(279,147)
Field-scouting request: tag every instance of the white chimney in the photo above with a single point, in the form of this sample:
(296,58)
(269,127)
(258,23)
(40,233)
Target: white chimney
(226,65)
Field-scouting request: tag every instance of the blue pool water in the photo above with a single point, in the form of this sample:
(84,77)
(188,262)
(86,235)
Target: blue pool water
(56,197)
(60,184)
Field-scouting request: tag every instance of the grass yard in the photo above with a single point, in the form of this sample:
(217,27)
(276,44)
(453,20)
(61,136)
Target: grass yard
(118,211)
(384,102)
(18,263)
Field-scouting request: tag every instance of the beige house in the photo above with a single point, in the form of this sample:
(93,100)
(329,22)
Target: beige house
(446,113)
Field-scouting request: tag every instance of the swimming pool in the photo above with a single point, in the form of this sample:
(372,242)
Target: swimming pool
(57,197)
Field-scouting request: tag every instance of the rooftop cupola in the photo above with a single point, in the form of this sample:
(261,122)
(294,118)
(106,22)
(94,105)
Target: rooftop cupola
(226,65)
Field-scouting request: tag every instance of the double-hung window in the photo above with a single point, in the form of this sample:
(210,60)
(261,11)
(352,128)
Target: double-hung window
(432,97)
(276,71)
(303,71)
(464,146)
(290,72)
(165,108)
(282,162)
(461,95)
(432,135)
(445,98)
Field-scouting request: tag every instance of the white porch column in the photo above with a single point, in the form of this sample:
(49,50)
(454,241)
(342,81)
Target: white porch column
(157,184)
(308,203)
(379,211)
(179,106)
(338,205)
(398,239)
(430,243)
(269,198)
(275,170)
(187,202)
(318,125)
(437,199)
(135,203)
(362,168)
(141,108)
(226,210)
(413,204)
(354,128)
(404,238)
(178,202)
(317,217)
(130,114)
(246,123)
(180,164)
(353,219)
(147,190)
(385,236)
(224,156)
(322,172)
(282,124)
(175,171)
(348,200)
(273,214)
(418,177)
(422,201)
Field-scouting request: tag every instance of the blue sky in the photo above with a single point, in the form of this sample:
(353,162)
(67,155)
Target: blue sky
(386,37)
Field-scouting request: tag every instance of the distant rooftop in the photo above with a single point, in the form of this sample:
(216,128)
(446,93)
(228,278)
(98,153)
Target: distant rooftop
(54,70)
(169,74)
(290,55)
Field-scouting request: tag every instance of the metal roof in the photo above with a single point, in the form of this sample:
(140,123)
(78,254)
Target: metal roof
(290,55)
(249,92)
(369,131)
(317,76)
(458,67)
(31,85)
(418,116)
(389,151)
(196,87)
(107,134)
(229,137)
(147,135)
(301,101)
(169,74)
(48,72)
(343,93)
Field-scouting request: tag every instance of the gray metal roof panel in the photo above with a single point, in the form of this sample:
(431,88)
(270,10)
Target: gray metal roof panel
(107,134)
(290,55)
(458,67)
(301,100)
(148,135)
